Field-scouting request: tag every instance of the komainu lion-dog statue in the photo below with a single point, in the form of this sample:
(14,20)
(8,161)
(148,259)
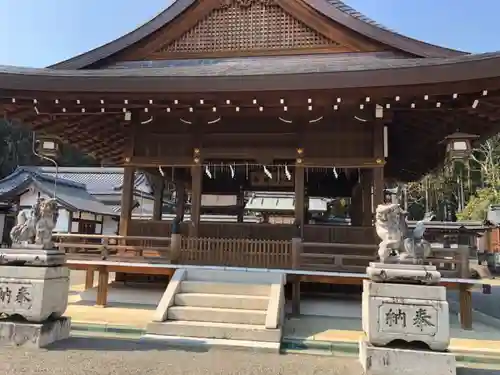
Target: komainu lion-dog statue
(399,243)
(36,227)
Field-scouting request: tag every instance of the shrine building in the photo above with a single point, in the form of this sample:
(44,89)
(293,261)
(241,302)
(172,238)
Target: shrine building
(226,97)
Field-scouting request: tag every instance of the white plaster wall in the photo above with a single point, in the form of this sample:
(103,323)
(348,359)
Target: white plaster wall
(110,226)
(2,224)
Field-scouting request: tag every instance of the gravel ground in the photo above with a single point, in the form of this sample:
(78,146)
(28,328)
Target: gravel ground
(95,356)
(82,356)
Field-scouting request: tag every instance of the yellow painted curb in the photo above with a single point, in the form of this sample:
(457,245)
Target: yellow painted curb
(456,344)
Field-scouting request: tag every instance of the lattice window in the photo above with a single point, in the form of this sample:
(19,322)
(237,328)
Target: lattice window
(248,25)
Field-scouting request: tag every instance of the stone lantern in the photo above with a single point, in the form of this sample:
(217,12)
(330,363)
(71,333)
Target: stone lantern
(459,145)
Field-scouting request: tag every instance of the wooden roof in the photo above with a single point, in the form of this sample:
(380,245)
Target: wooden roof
(173,65)
(335,11)
(317,72)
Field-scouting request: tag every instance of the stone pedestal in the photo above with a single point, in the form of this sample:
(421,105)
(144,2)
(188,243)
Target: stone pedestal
(405,312)
(35,293)
(34,287)
(405,321)
(34,335)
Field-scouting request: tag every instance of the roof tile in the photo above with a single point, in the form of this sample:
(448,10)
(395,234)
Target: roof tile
(99,180)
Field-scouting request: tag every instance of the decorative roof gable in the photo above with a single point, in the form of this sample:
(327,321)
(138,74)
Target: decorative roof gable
(255,26)
(247,26)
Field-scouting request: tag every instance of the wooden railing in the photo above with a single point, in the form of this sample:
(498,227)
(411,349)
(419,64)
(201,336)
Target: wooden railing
(236,252)
(182,250)
(261,231)
(113,247)
(340,234)
(343,257)
(254,253)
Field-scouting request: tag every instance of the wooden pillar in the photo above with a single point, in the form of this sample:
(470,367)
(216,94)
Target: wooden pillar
(180,199)
(159,186)
(296,241)
(102,287)
(240,202)
(306,207)
(296,252)
(127,199)
(89,278)
(299,196)
(465,297)
(356,207)
(378,172)
(366,187)
(196,187)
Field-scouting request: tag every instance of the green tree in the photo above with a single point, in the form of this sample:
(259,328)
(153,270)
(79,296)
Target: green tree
(16,148)
(487,157)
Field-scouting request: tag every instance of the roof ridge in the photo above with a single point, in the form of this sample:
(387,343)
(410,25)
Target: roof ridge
(59,180)
(350,11)
(347,9)
(80,169)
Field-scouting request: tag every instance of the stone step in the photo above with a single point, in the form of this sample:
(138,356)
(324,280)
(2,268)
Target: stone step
(231,276)
(214,330)
(208,287)
(227,301)
(217,315)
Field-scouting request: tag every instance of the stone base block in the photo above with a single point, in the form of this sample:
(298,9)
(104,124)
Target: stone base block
(411,313)
(33,335)
(390,361)
(403,273)
(35,293)
(31,255)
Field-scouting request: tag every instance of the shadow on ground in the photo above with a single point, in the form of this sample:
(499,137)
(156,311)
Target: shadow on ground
(115,344)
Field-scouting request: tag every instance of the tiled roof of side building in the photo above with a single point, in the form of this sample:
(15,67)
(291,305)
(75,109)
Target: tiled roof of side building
(98,180)
(70,194)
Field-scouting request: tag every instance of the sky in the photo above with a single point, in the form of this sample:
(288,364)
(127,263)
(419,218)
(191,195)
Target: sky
(38,33)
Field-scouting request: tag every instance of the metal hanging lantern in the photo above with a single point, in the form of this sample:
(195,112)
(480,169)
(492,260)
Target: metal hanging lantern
(459,146)
(48,146)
